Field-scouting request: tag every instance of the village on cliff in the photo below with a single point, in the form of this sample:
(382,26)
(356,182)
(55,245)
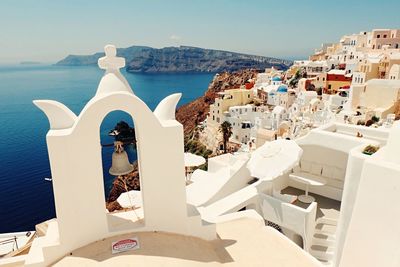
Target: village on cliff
(303,170)
(355,81)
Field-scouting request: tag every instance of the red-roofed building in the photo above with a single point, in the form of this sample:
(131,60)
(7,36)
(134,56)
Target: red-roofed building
(332,81)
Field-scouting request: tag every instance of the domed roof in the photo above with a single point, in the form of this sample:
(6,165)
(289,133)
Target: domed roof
(276,79)
(282,89)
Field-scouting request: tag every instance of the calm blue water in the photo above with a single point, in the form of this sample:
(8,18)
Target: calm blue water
(25,197)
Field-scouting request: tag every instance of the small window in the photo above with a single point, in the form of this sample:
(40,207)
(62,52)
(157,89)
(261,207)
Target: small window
(384,36)
(330,86)
(213,118)
(378,36)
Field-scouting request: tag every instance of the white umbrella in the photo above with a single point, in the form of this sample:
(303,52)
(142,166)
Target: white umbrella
(274,158)
(130,199)
(192,160)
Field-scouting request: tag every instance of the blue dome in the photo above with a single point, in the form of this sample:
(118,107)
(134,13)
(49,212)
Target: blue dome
(282,89)
(276,79)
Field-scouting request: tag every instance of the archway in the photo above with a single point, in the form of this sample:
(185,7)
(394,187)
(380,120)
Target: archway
(118,126)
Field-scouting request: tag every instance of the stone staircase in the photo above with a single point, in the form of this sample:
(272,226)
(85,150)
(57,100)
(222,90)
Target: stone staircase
(323,242)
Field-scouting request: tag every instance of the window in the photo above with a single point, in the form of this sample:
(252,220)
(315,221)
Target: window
(384,36)
(213,118)
(248,96)
(330,86)
(378,36)
(396,46)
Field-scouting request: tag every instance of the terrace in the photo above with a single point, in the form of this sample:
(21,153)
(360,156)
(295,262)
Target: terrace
(327,153)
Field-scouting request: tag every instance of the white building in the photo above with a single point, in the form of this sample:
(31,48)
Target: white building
(280,96)
(241,119)
(377,95)
(339,99)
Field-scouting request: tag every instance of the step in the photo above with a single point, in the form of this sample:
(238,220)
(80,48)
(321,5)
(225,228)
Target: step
(326,263)
(324,235)
(326,220)
(323,242)
(322,253)
(326,228)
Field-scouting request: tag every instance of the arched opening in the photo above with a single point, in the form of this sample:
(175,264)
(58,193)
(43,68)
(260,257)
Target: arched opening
(118,128)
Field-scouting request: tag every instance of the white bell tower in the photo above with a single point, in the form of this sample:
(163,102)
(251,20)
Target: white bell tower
(75,158)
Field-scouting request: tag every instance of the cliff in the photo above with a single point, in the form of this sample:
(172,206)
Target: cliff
(143,59)
(196,111)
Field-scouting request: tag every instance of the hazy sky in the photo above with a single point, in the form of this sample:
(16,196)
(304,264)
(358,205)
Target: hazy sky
(48,30)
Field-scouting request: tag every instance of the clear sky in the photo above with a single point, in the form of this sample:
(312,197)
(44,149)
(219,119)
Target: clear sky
(48,30)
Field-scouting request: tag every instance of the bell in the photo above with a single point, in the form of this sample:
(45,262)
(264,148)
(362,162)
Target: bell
(120,162)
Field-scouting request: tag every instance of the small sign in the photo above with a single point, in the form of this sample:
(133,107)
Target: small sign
(125,245)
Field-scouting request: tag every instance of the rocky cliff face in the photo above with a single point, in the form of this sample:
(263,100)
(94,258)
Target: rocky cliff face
(196,111)
(142,59)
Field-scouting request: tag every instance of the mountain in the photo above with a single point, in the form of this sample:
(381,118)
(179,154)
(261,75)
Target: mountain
(146,59)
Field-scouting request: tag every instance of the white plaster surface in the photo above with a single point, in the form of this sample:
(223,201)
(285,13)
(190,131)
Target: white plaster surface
(75,159)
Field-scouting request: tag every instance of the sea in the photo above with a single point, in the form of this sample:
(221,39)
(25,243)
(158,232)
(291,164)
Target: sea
(26,197)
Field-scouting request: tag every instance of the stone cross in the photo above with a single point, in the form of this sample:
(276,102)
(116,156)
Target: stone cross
(111,62)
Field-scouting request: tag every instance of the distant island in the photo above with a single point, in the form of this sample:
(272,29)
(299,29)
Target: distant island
(144,59)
